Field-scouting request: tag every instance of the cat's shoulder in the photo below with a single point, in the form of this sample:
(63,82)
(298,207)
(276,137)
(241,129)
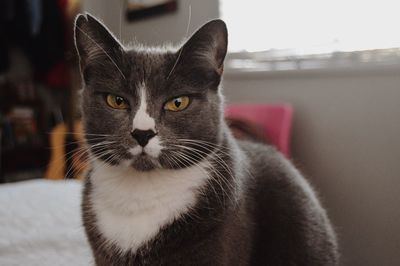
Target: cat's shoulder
(252,148)
(264,156)
(284,204)
(269,169)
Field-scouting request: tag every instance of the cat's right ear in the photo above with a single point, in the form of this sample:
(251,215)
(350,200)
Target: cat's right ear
(94,43)
(207,46)
(201,59)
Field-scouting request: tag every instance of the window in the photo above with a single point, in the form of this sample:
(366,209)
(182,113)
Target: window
(312,26)
(274,35)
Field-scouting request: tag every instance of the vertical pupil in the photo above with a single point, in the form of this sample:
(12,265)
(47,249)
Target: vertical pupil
(118,100)
(178,102)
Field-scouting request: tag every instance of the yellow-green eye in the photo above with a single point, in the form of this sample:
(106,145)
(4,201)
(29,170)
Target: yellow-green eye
(116,102)
(177,104)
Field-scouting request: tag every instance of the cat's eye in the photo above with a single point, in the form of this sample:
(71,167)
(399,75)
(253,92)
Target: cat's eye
(116,102)
(177,104)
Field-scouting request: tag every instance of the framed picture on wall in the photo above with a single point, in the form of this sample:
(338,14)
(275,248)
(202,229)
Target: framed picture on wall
(140,9)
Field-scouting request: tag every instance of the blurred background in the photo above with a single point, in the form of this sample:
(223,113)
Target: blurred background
(333,65)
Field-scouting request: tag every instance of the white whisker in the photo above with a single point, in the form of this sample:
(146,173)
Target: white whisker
(186,35)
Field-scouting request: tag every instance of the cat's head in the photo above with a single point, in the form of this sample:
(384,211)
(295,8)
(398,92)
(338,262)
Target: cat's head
(151,108)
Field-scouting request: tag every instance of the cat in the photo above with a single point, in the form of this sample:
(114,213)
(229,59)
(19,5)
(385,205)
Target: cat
(168,184)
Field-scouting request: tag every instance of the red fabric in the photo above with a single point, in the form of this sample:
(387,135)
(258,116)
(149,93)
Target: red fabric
(58,76)
(276,120)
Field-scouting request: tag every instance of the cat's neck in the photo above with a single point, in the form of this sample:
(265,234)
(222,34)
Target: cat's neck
(132,206)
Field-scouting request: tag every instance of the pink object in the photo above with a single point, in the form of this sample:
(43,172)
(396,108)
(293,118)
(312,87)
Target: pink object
(276,119)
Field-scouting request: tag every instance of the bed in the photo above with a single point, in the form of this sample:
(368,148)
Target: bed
(40,224)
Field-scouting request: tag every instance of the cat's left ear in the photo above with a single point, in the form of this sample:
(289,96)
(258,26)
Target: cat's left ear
(207,46)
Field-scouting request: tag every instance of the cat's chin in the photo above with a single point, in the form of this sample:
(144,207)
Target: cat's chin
(142,163)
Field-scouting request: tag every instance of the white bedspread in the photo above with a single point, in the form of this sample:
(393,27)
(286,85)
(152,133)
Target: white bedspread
(40,224)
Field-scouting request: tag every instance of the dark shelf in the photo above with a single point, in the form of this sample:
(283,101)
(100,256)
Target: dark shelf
(24,158)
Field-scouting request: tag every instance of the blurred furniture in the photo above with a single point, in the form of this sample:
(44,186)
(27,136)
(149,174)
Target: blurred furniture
(68,155)
(24,121)
(275,119)
(38,83)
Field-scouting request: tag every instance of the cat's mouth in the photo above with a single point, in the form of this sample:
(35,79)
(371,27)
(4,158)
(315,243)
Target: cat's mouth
(142,159)
(146,151)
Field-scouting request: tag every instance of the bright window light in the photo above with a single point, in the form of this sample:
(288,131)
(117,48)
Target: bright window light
(312,26)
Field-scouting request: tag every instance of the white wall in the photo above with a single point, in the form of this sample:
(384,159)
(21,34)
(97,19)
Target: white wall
(345,136)
(154,31)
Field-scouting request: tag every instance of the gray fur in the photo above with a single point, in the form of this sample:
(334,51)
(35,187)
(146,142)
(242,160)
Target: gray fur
(257,211)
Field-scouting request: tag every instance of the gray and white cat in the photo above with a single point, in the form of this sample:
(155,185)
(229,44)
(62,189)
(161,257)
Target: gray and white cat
(168,184)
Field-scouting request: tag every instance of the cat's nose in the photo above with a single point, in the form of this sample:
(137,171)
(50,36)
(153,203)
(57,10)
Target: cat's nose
(143,136)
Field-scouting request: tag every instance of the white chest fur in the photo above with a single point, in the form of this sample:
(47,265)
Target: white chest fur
(131,207)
